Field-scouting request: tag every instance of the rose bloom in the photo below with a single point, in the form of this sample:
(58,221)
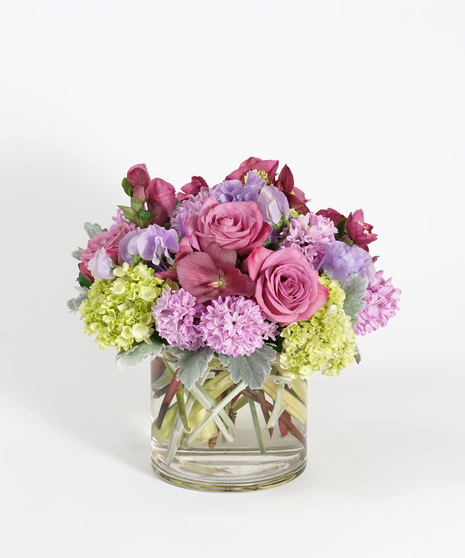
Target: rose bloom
(237,226)
(109,240)
(287,288)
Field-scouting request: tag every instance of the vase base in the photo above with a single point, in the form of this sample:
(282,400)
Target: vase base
(230,471)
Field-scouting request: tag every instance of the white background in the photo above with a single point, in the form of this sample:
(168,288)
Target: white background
(365,102)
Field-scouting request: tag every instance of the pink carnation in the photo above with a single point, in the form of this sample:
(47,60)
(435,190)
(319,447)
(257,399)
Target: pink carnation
(381,305)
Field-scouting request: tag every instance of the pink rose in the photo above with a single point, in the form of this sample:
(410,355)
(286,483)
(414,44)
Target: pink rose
(109,240)
(287,288)
(237,226)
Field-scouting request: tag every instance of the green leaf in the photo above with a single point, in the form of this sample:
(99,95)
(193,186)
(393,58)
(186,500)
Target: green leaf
(74,303)
(136,259)
(136,204)
(145,217)
(358,356)
(138,353)
(93,229)
(354,303)
(192,364)
(129,213)
(76,254)
(128,189)
(252,369)
(83,281)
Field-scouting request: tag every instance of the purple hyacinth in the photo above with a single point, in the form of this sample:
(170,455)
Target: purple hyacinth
(176,319)
(310,234)
(340,261)
(191,204)
(234,190)
(381,304)
(235,325)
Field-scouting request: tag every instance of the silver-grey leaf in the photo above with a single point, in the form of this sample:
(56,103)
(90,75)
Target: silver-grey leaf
(93,229)
(191,364)
(354,303)
(74,303)
(138,353)
(77,253)
(252,369)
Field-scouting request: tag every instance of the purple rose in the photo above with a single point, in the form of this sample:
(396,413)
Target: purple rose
(340,261)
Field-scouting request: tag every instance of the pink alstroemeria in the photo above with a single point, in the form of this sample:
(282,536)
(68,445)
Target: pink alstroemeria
(159,194)
(193,187)
(295,197)
(209,274)
(254,163)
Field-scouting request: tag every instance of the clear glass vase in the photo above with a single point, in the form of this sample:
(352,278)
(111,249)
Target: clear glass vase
(221,436)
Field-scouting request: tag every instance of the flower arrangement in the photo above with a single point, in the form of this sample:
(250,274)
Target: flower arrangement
(242,279)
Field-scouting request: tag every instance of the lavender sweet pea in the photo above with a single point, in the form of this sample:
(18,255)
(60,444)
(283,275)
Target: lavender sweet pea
(155,242)
(101,265)
(340,261)
(273,204)
(234,190)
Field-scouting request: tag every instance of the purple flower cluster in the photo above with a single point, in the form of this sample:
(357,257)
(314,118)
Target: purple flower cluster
(176,319)
(235,190)
(152,244)
(381,305)
(235,325)
(310,234)
(341,260)
(191,204)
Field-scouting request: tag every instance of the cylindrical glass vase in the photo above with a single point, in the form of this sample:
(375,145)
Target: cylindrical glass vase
(222,436)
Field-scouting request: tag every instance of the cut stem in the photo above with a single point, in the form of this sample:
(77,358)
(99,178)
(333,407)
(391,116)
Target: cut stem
(256,424)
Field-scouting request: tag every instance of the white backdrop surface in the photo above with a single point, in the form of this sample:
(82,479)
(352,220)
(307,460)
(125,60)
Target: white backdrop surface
(365,102)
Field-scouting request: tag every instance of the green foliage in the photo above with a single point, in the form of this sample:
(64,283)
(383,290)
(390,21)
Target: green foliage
(128,189)
(192,364)
(252,369)
(354,303)
(93,229)
(137,353)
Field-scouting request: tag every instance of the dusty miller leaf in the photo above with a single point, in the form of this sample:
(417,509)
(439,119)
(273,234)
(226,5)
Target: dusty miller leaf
(358,356)
(354,303)
(138,353)
(192,364)
(74,303)
(77,253)
(252,369)
(93,229)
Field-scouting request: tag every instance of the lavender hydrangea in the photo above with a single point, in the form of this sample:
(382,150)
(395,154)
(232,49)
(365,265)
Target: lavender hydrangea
(235,325)
(341,260)
(381,304)
(176,317)
(191,204)
(310,234)
(234,190)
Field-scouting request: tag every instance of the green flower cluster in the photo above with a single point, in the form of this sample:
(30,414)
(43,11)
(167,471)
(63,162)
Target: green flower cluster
(324,342)
(119,311)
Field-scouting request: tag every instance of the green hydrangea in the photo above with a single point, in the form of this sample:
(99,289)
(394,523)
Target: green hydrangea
(324,342)
(119,311)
